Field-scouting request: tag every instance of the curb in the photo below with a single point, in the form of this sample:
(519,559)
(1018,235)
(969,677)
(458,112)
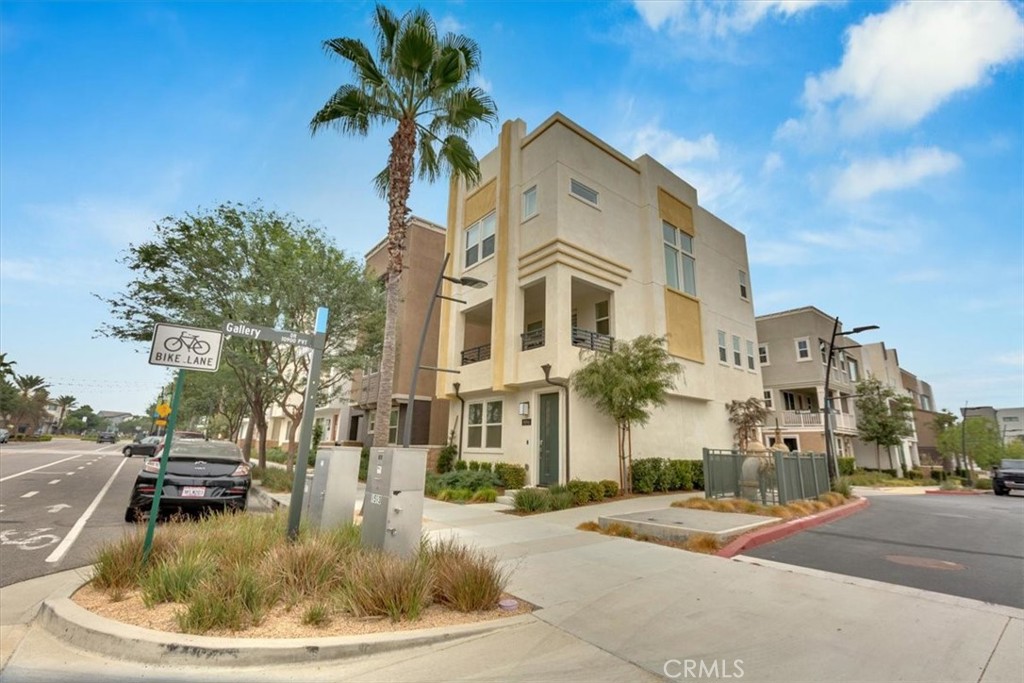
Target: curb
(263,497)
(777,532)
(84,630)
(972,492)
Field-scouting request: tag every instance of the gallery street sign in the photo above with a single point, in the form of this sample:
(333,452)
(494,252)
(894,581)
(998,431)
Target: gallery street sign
(260,333)
(191,348)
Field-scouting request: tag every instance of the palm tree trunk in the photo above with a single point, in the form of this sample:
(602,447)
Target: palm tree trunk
(400,167)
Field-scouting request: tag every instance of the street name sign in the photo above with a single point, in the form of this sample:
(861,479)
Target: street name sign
(190,348)
(260,333)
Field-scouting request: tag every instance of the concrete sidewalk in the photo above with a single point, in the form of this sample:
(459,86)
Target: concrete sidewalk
(612,609)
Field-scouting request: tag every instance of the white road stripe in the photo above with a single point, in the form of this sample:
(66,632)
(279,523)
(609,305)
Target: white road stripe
(82,467)
(30,494)
(41,467)
(70,473)
(55,481)
(65,545)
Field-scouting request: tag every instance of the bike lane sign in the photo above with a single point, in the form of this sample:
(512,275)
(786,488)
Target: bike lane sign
(191,348)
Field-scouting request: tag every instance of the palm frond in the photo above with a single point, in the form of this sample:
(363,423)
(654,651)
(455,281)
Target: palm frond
(359,56)
(386,25)
(414,51)
(382,182)
(350,110)
(464,108)
(466,46)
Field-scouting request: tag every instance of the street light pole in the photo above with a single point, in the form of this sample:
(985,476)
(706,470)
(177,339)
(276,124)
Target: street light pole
(833,467)
(963,446)
(441,277)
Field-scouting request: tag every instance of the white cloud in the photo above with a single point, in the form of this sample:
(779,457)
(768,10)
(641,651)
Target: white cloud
(670,149)
(714,18)
(902,64)
(1015,358)
(881,240)
(480,82)
(772,162)
(865,177)
(449,24)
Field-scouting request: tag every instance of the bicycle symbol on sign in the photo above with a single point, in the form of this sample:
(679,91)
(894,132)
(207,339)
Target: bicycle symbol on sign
(191,342)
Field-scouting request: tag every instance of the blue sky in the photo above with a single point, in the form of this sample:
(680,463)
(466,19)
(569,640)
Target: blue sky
(872,153)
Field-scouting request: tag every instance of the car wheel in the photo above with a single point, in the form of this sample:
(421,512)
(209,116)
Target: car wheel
(1000,491)
(127,451)
(132,515)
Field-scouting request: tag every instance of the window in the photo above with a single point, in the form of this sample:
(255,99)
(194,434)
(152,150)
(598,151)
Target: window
(854,370)
(680,266)
(743,286)
(823,347)
(601,319)
(737,358)
(750,355)
(484,425)
(585,193)
(1008,418)
(803,349)
(762,353)
(768,399)
(723,355)
(480,239)
(393,425)
(842,362)
(530,202)
(789,400)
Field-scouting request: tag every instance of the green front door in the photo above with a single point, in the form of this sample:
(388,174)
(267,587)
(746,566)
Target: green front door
(548,435)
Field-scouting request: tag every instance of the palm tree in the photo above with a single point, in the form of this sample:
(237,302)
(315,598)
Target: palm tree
(29,384)
(6,367)
(32,401)
(420,83)
(65,403)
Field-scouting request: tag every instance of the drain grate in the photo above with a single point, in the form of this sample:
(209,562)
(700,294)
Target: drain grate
(924,562)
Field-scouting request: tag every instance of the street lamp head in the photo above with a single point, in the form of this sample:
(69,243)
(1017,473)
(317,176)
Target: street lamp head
(547,370)
(864,328)
(472,282)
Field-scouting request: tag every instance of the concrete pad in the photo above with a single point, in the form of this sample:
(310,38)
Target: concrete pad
(1007,662)
(678,524)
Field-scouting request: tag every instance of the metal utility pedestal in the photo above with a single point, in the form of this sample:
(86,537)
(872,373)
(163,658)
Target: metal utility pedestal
(332,498)
(393,504)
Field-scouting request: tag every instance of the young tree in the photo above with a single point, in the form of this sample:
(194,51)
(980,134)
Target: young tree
(65,403)
(747,416)
(247,264)
(883,416)
(981,443)
(419,83)
(947,439)
(625,384)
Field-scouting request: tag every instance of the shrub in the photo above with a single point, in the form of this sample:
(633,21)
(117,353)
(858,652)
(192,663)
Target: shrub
(645,473)
(511,476)
(446,458)
(465,579)
(364,462)
(484,496)
(596,491)
(580,491)
(938,475)
(697,470)
(532,500)
(611,488)
(842,486)
(847,466)
(682,474)
(276,479)
(119,564)
(486,467)
(913,474)
(950,484)
(316,614)
(983,484)
(460,465)
(304,569)
(560,501)
(474,466)
(277,455)
(468,479)
(176,578)
(557,488)
(432,485)
(668,477)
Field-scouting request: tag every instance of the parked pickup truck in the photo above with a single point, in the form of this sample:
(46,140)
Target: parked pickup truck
(1009,476)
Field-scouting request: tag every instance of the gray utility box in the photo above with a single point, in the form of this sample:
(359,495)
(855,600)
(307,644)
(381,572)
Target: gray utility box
(393,504)
(331,500)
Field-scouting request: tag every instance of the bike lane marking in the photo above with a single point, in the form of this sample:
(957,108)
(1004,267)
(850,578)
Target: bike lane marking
(41,467)
(72,535)
(29,494)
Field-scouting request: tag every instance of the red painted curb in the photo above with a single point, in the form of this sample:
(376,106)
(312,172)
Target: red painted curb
(760,537)
(959,493)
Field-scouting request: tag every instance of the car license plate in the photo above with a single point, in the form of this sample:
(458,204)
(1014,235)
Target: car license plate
(193,491)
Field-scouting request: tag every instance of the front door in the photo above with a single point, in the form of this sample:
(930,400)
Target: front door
(548,435)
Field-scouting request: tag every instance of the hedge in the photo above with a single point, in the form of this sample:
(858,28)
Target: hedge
(664,474)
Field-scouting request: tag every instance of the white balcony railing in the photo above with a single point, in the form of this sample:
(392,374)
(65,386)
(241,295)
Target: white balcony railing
(805,419)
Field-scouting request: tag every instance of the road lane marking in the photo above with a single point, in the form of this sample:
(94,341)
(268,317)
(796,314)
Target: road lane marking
(39,540)
(55,481)
(82,468)
(70,473)
(60,550)
(30,494)
(58,507)
(41,467)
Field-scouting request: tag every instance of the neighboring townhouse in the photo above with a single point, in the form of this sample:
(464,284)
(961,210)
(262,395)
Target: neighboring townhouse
(792,349)
(425,249)
(1009,421)
(883,363)
(924,417)
(581,246)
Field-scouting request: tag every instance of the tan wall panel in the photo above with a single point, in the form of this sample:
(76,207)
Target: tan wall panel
(675,212)
(682,318)
(480,203)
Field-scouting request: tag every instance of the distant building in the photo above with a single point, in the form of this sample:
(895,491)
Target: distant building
(1009,421)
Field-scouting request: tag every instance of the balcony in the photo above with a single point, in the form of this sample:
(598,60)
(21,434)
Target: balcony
(595,341)
(476,354)
(813,420)
(534,339)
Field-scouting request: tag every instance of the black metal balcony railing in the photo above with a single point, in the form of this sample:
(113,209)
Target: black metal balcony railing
(476,354)
(595,341)
(534,339)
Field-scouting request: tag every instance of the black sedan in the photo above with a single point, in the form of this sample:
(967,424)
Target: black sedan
(201,476)
(148,445)
(106,437)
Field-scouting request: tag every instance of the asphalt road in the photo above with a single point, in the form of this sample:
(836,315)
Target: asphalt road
(59,502)
(969,546)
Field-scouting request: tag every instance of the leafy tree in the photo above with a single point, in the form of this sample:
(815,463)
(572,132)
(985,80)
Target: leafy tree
(81,420)
(247,264)
(29,407)
(625,384)
(747,416)
(418,82)
(65,403)
(948,444)
(1014,450)
(883,416)
(982,441)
